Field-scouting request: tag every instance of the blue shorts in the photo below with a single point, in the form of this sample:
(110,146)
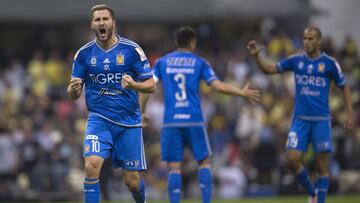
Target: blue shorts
(124,144)
(175,139)
(302,132)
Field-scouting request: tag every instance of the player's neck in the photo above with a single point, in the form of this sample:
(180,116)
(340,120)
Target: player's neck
(314,54)
(184,49)
(108,43)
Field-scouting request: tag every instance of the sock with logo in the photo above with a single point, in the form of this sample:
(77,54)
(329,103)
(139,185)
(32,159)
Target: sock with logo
(91,190)
(205,180)
(304,180)
(174,187)
(139,194)
(322,185)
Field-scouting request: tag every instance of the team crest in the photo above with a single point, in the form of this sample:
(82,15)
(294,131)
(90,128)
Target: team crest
(120,59)
(87,148)
(321,67)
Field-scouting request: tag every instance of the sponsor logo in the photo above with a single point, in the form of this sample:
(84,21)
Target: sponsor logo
(106,78)
(310,80)
(93,61)
(141,53)
(106,63)
(301,65)
(310,69)
(132,163)
(91,137)
(182,116)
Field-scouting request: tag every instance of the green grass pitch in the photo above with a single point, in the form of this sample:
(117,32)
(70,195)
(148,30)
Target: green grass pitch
(355,198)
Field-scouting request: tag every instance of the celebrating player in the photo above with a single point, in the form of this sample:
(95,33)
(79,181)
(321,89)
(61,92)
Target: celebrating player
(113,69)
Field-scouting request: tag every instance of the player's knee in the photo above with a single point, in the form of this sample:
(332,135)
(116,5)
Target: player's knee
(132,181)
(322,169)
(293,164)
(92,167)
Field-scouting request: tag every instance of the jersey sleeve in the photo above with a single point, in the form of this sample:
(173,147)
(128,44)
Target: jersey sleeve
(287,64)
(141,65)
(207,73)
(156,71)
(337,75)
(79,66)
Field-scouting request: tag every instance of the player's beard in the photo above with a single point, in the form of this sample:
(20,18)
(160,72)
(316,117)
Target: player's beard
(107,37)
(310,50)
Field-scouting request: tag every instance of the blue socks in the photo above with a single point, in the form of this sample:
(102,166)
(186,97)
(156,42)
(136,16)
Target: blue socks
(304,180)
(205,181)
(139,194)
(91,190)
(174,187)
(322,185)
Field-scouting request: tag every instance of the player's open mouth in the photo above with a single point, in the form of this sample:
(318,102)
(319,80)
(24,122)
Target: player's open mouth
(102,31)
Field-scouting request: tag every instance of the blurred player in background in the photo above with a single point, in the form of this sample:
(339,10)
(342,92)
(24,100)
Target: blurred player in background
(183,124)
(113,69)
(311,123)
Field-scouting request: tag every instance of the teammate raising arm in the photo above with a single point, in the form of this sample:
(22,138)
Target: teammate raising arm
(311,123)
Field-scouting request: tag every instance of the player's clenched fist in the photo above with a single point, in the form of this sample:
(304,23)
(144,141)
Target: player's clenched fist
(127,82)
(76,84)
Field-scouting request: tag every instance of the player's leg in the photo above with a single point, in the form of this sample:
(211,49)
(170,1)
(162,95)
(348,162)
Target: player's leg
(322,144)
(93,166)
(135,184)
(199,144)
(174,182)
(129,154)
(205,180)
(97,145)
(322,182)
(296,145)
(172,149)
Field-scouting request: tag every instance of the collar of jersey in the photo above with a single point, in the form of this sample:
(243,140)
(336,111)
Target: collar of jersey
(113,47)
(317,58)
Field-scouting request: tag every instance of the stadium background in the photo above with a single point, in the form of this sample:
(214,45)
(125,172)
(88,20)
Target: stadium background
(41,131)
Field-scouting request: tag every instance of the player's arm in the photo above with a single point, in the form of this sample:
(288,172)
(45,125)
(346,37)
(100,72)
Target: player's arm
(74,88)
(251,94)
(143,100)
(265,66)
(348,105)
(145,86)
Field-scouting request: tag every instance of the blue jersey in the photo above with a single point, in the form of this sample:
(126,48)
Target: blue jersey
(181,73)
(312,83)
(102,70)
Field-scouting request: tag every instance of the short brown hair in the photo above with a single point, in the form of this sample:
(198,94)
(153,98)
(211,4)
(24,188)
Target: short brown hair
(101,7)
(317,31)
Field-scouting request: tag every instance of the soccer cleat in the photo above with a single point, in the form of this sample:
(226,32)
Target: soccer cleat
(312,199)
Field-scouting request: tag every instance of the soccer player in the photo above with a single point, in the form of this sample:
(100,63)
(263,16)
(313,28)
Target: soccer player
(183,124)
(311,123)
(113,69)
